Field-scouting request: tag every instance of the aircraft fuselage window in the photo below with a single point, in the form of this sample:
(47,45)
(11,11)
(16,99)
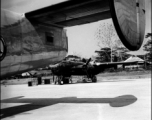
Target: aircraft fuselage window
(50,39)
(2,49)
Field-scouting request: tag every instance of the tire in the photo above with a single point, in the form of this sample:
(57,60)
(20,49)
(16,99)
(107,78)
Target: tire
(94,79)
(60,80)
(66,80)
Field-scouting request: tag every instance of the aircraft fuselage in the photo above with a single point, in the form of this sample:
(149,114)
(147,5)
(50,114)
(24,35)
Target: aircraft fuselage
(26,45)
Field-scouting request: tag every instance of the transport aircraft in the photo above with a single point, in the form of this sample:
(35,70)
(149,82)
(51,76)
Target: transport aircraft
(38,38)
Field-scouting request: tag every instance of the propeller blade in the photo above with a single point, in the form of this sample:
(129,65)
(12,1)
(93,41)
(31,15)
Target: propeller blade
(88,61)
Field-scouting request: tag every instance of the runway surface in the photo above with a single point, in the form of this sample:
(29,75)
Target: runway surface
(125,99)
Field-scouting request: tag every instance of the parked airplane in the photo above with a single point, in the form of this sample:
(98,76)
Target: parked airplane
(66,69)
(38,38)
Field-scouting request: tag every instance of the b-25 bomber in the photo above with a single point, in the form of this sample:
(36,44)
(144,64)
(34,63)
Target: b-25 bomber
(66,69)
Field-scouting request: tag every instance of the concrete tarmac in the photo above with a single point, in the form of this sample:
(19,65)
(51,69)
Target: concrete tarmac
(126,99)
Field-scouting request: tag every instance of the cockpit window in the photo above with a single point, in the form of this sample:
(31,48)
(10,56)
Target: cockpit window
(49,38)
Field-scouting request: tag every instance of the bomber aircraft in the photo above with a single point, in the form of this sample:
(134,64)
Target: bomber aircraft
(38,38)
(63,71)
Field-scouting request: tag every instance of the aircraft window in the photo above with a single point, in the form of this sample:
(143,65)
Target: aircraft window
(49,38)
(2,49)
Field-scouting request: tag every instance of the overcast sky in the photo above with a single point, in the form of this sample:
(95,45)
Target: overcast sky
(81,38)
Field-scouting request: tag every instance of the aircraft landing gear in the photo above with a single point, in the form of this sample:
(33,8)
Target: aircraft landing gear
(94,79)
(60,80)
(66,80)
(63,80)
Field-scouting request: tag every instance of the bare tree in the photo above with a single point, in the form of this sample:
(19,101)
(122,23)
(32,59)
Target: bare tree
(148,47)
(106,36)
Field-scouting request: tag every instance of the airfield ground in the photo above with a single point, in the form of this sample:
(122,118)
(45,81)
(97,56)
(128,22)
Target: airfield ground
(118,96)
(106,76)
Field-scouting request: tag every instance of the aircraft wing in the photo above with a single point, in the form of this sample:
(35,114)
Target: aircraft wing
(128,17)
(71,12)
(118,63)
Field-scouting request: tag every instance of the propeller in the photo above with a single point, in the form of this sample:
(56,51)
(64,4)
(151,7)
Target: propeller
(86,67)
(88,62)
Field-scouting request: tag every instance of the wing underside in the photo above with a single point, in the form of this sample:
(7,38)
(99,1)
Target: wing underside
(72,12)
(128,17)
(119,63)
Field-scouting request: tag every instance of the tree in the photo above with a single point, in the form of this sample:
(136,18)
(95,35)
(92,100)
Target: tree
(148,47)
(103,55)
(118,54)
(122,53)
(72,57)
(107,36)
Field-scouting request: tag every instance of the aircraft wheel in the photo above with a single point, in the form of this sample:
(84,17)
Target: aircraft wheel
(94,79)
(66,80)
(60,81)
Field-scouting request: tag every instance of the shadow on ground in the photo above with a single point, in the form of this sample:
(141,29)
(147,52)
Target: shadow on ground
(36,103)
